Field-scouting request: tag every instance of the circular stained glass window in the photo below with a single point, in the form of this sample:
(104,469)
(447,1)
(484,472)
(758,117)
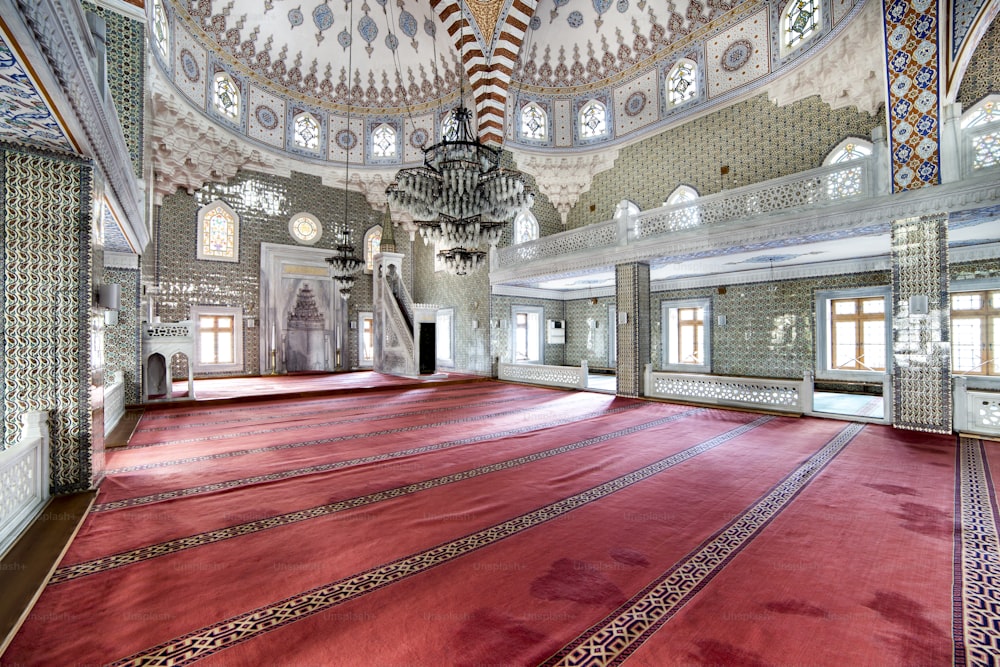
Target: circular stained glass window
(305,228)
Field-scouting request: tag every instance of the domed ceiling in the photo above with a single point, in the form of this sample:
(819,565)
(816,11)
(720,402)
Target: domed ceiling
(401,63)
(405,53)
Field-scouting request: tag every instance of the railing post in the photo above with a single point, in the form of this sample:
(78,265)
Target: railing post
(960,404)
(887,402)
(647,379)
(806,392)
(584,374)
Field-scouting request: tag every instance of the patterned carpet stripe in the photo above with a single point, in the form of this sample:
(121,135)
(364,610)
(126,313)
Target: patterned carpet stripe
(364,460)
(612,641)
(976,630)
(324,441)
(329,404)
(189,542)
(363,401)
(336,422)
(212,639)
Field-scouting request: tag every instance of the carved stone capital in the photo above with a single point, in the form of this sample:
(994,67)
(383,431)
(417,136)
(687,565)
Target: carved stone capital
(563,178)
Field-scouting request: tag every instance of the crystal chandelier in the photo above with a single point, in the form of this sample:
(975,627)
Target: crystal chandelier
(344,264)
(459,261)
(460,195)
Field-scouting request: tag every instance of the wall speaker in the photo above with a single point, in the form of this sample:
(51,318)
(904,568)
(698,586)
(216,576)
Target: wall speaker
(109,296)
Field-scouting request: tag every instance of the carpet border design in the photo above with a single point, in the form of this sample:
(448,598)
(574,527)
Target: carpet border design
(212,639)
(625,630)
(976,596)
(141,554)
(335,465)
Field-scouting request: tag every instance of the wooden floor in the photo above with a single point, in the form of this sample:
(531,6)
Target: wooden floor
(26,568)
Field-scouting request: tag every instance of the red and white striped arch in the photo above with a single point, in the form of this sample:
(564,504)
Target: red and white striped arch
(489,76)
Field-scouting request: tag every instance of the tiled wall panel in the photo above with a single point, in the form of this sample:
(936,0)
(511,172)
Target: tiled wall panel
(264,204)
(121,340)
(983,75)
(126,69)
(46,284)
(757,140)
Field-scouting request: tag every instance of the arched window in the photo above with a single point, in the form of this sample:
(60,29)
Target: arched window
(847,182)
(688,216)
(534,122)
(305,129)
(593,120)
(305,228)
(981,125)
(525,227)
(227,96)
(161,29)
(847,150)
(799,21)
(682,82)
(373,243)
(218,233)
(449,127)
(384,141)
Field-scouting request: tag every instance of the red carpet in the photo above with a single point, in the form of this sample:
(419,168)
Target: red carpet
(498,524)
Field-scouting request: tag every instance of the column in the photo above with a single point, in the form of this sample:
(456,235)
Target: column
(921,320)
(632,298)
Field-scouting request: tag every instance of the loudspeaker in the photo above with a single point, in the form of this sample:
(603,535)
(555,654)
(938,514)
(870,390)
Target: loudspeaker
(109,296)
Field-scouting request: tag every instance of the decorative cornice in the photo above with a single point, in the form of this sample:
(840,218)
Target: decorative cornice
(121,260)
(563,178)
(60,30)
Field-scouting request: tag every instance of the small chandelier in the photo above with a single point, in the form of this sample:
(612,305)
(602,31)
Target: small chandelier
(459,261)
(461,195)
(344,264)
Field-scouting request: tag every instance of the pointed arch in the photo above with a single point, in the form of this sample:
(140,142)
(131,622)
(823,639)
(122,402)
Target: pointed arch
(218,233)
(306,131)
(849,149)
(372,246)
(593,119)
(800,20)
(226,96)
(525,227)
(682,82)
(534,122)
(384,141)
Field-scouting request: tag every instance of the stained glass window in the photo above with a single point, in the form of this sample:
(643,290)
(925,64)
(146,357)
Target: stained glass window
(449,127)
(384,141)
(227,96)
(534,122)
(161,29)
(306,129)
(800,20)
(593,120)
(525,227)
(373,243)
(681,82)
(218,233)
